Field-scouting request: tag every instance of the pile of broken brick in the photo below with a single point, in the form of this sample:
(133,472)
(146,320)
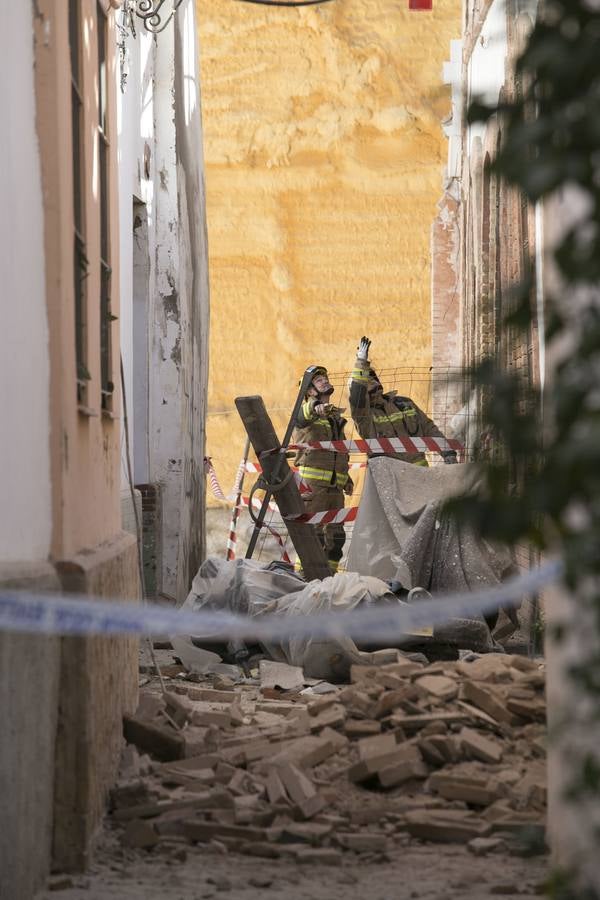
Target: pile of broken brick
(451,752)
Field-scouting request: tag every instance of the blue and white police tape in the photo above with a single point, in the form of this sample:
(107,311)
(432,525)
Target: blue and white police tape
(84,615)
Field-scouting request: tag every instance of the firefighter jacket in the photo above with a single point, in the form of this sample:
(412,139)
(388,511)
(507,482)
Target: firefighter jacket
(389,415)
(325,467)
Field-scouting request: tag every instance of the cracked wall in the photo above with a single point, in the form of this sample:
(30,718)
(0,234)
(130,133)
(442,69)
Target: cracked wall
(324,159)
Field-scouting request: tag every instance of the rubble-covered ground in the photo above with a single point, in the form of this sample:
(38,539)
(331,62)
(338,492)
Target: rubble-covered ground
(413,781)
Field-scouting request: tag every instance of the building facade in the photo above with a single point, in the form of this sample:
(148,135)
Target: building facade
(164,276)
(485,236)
(72,287)
(485,240)
(324,163)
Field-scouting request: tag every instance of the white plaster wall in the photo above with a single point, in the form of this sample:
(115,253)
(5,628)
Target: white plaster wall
(151,137)
(166,462)
(25,497)
(135,125)
(487,67)
(486,72)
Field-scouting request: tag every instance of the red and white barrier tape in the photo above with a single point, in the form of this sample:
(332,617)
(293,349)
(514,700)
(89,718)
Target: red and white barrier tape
(239,475)
(215,487)
(256,504)
(384,445)
(327,517)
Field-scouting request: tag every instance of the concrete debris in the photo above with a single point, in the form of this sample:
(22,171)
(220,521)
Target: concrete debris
(60,883)
(280,675)
(141,834)
(449,752)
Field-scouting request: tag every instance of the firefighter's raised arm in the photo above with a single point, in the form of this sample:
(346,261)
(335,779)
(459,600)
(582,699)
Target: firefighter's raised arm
(360,406)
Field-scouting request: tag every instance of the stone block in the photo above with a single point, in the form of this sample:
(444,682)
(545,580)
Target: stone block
(357,728)
(480,747)
(161,742)
(207,717)
(301,791)
(412,723)
(306,752)
(531,710)
(431,754)
(322,703)
(178,709)
(377,745)
(305,832)
(391,700)
(358,703)
(203,832)
(139,834)
(476,791)
(324,856)
(333,717)
(439,686)
(211,696)
(444,826)
(275,789)
(491,703)
(280,675)
(408,765)
(374,765)
(362,842)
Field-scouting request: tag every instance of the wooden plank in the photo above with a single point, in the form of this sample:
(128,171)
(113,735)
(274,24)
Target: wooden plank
(263,438)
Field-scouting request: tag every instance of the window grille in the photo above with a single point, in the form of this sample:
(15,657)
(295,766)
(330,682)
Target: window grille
(80,261)
(106,316)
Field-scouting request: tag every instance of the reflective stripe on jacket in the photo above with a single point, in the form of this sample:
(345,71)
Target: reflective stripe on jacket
(323,466)
(323,475)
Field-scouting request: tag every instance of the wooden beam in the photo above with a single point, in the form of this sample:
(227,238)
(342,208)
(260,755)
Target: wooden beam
(262,436)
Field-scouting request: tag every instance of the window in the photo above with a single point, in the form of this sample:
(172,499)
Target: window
(106,316)
(79,249)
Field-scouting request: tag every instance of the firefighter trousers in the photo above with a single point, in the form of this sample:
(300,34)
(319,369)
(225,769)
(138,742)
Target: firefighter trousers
(332,537)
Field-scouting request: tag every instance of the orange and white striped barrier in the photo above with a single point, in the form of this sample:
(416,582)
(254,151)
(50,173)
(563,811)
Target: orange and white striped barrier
(327,517)
(215,487)
(384,445)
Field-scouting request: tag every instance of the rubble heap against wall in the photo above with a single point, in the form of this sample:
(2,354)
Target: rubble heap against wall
(408,751)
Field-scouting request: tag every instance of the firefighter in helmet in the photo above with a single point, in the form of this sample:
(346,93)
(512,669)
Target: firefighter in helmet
(324,471)
(385,414)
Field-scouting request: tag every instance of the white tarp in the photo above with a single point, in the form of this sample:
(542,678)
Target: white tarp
(246,587)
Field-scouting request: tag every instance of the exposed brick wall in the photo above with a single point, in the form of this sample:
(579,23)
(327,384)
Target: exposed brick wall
(447,390)
(496,245)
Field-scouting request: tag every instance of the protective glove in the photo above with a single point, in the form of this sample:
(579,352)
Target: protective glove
(323,409)
(363,348)
(450,458)
(349,487)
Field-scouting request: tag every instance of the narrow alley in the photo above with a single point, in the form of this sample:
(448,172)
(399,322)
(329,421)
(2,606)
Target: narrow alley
(299,492)
(412,781)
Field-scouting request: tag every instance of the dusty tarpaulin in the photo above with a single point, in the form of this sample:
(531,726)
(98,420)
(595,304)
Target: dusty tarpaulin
(400,526)
(246,587)
(401,534)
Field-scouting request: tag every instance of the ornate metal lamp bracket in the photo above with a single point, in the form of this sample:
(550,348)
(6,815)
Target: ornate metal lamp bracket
(151,13)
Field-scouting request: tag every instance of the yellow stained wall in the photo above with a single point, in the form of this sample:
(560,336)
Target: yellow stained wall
(324,164)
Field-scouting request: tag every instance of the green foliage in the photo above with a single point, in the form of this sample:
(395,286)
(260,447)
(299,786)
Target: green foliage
(542,481)
(548,490)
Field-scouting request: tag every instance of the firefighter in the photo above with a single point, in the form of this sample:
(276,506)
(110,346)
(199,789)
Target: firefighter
(324,471)
(384,414)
